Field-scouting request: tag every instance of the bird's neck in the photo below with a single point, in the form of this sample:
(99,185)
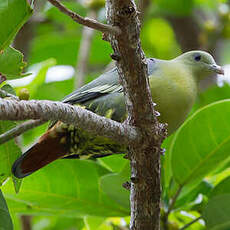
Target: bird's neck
(177,71)
(180,76)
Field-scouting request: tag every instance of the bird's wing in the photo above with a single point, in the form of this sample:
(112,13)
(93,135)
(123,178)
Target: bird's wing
(104,84)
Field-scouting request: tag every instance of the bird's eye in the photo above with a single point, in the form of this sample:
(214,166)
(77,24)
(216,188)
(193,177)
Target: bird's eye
(197,57)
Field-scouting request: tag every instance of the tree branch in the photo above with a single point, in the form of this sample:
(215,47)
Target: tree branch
(144,156)
(79,117)
(18,130)
(85,21)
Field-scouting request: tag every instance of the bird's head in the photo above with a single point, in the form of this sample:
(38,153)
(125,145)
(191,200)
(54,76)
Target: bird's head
(201,63)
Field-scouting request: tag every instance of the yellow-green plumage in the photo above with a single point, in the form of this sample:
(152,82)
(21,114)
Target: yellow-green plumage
(174,86)
(174,91)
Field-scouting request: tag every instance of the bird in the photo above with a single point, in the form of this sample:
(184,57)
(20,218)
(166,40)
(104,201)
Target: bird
(174,88)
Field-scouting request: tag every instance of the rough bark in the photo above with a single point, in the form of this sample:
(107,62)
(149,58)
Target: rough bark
(144,155)
(81,118)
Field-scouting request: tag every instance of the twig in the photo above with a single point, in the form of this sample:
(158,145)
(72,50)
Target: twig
(83,55)
(173,201)
(3,94)
(18,130)
(170,208)
(86,21)
(26,222)
(79,117)
(190,223)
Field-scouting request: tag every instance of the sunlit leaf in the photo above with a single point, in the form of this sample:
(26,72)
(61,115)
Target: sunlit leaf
(11,63)
(65,187)
(202,143)
(115,163)
(92,223)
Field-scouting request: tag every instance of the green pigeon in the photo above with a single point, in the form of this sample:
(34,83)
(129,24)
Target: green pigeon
(174,87)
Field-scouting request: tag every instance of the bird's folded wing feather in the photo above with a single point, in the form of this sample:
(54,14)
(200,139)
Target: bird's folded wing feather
(105,84)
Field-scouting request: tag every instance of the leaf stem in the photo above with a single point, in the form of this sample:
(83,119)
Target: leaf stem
(170,208)
(190,223)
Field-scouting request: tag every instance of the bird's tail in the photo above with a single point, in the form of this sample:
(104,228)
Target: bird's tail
(51,146)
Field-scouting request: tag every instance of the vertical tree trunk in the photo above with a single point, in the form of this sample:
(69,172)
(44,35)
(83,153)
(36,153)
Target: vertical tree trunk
(145,155)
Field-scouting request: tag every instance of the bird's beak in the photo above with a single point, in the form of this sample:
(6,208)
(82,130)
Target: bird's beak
(217,69)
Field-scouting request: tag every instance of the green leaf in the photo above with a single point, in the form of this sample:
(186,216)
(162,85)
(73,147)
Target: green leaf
(183,218)
(14,13)
(186,199)
(11,63)
(8,89)
(111,184)
(9,152)
(93,223)
(218,216)
(49,46)
(216,213)
(5,219)
(201,144)
(114,163)
(66,188)
(222,188)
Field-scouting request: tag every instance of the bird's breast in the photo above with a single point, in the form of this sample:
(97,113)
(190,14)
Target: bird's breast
(174,97)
